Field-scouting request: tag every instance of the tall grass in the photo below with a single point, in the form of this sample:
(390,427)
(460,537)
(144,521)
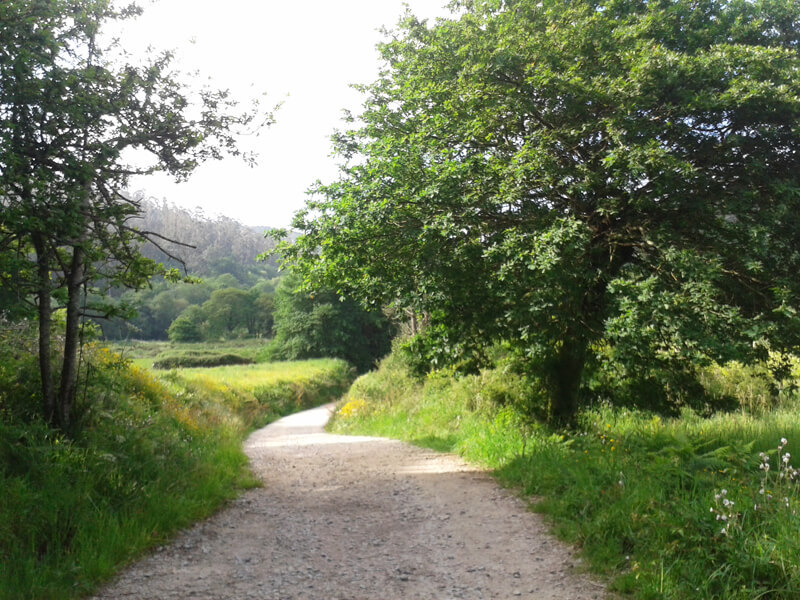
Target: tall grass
(665,508)
(147,458)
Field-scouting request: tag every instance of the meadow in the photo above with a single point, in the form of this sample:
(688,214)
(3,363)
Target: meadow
(149,454)
(685,507)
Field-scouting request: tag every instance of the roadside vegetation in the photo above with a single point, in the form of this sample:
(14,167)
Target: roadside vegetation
(680,507)
(144,457)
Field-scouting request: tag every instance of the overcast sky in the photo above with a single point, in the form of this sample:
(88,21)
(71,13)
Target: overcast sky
(302,53)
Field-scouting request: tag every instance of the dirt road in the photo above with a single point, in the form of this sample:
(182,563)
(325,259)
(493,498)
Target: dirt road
(359,518)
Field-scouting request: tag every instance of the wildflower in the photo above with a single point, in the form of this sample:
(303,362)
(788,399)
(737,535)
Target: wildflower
(784,441)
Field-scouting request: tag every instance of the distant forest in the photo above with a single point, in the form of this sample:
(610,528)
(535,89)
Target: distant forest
(234,297)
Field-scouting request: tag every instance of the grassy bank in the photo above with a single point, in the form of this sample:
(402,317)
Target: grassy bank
(263,392)
(665,508)
(148,457)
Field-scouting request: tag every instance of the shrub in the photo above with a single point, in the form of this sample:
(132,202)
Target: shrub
(198,358)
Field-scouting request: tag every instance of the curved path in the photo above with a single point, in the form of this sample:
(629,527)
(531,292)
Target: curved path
(356,518)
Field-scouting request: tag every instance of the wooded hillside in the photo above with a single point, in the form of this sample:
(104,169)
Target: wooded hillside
(219,244)
(222,253)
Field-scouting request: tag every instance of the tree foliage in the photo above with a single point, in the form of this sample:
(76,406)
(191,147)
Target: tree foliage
(69,118)
(218,250)
(610,187)
(228,313)
(324,325)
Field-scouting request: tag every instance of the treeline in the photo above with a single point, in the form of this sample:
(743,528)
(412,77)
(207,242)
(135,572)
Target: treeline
(206,246)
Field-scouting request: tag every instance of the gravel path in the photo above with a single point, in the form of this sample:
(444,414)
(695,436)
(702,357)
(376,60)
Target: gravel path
(359,518)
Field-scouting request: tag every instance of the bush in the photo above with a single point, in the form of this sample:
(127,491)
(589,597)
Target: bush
(323,325)
(198,358)
(756,389)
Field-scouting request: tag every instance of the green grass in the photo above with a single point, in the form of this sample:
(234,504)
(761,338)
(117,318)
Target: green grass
(633,490)
(149,456)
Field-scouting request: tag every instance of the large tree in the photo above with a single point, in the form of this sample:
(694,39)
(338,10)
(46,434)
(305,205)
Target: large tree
(604,185)
(70,116)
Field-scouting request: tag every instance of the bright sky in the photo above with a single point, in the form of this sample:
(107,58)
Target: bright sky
(303,53)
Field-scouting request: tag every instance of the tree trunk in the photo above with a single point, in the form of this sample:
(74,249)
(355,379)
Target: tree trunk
(44,309)
(69,369)
(566,380)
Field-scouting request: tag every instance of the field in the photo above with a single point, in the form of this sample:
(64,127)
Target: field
(144,353)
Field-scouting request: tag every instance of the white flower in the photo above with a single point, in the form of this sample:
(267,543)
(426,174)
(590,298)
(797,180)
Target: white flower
(784,441)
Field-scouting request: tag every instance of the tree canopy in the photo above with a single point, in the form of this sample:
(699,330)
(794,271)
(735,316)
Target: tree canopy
(609,187)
